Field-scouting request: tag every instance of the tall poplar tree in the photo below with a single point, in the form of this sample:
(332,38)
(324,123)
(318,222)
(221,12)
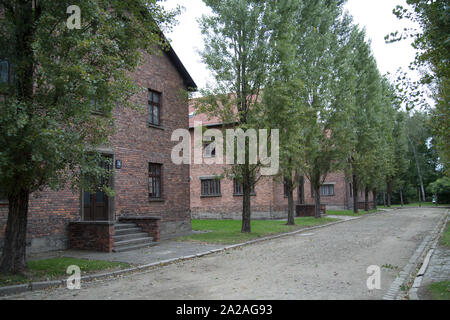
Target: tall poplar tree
(238,38)
(323,48)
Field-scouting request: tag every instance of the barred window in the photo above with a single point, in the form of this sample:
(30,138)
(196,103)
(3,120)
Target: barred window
(154,181)
(327,190)
(211,187)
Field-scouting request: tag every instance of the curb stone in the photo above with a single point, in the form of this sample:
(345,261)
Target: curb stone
(394,292)
(15,289)
(412,293)
(35,286)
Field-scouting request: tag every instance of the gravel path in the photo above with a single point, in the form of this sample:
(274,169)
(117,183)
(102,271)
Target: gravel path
(328,263)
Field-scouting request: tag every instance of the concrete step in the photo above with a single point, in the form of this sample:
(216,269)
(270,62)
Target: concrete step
(130,242)
(134,247)
(119,226)
(121,232)
(130,236)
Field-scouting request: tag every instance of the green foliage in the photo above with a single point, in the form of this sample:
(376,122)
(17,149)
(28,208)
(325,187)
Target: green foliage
(239,38)
(55,268)
(324,90)
(441,188)
(228,231)
(440,290)
(432,44)
(445,240)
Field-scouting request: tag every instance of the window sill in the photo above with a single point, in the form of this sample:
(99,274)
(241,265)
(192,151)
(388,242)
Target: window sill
(212,196)
(155,126)
(241,195)
(157,200)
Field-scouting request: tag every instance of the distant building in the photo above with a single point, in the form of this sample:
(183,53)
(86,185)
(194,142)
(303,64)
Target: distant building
(222,199)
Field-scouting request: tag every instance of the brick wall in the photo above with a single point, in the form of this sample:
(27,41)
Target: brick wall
(136,144)
(95,236)
(269,201)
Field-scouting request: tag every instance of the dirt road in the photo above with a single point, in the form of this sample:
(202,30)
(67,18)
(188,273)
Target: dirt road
(328,263)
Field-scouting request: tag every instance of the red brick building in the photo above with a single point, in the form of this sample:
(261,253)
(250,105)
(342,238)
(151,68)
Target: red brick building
(152,193)
(222,199)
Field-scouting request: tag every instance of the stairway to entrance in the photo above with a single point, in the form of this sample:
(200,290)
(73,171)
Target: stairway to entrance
(128,236)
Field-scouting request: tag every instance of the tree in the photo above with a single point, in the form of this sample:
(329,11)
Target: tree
(325,97)
(422,155)
(432,43)
(280,101)
(238,39)
(366,119)
(63,79)
(441,190)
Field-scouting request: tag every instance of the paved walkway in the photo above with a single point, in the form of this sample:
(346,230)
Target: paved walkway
(164,250)
(327,263)
(438,270)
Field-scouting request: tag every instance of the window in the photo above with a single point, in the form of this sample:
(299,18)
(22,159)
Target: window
(209,150)
(239,191)
(327,190)
(97,107)
(154,108)
(211,188)
(154,181)
(4,71)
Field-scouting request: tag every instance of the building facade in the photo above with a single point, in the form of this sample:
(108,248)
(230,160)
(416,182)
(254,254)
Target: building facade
(149,189)
(221,198)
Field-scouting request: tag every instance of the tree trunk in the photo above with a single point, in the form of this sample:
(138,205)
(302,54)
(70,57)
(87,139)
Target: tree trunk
(317,213)
(366,199)
(401,198)
(389,193)
(301,190)
(374,195)
(291,209)
(384,199)
(420,199)
(246,209)
(14,248)
(355,194)
(419,171)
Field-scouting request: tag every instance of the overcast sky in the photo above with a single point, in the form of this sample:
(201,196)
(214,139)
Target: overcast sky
(374,15)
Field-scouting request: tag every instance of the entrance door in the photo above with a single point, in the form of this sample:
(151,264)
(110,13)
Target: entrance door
(96,204)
